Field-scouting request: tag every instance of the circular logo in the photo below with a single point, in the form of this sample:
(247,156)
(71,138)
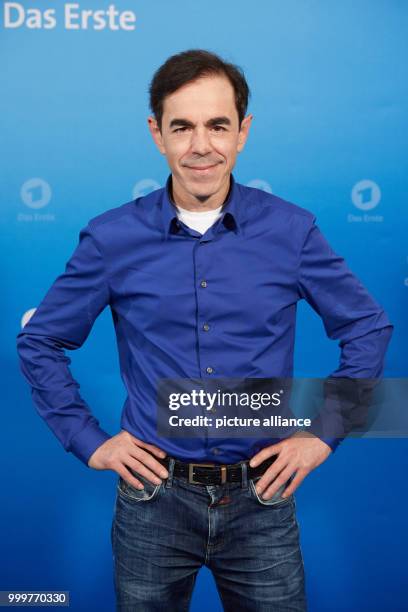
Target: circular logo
(260,184)
(27,316)
(144,187)
(365,194)
(35,193)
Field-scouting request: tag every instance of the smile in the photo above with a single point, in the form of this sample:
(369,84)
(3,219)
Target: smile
(202,169)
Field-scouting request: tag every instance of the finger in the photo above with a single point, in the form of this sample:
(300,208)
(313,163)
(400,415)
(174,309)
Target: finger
(141,469)
(151,448)
(265,453)
(270,474)
(278,482)
(126,475)
(159,452)
(149,462)
(294,484)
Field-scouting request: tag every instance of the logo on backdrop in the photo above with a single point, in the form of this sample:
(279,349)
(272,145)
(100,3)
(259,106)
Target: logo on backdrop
(144,186)
(365,195)
(35,194)
(73,17)
(27,316)
(260,184)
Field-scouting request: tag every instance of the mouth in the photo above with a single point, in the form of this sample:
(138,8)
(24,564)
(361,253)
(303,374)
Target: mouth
(202,169)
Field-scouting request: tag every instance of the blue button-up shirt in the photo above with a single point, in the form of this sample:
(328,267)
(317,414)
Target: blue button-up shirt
(186,305)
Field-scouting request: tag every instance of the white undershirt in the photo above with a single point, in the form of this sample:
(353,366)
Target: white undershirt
(199,220)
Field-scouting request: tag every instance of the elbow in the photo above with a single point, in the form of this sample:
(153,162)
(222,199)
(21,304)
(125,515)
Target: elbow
(386,327)
(381,325)
(21,342)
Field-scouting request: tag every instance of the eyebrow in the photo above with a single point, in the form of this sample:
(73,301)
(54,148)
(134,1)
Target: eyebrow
(210,123)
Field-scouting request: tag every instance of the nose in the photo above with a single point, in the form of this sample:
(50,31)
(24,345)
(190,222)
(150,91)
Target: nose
(200,142)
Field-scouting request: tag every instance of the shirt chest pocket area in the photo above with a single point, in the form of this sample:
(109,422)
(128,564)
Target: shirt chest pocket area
(154,298)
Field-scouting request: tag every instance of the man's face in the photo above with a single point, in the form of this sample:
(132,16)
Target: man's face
(200,136)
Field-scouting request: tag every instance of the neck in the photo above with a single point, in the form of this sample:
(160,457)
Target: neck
(198,203)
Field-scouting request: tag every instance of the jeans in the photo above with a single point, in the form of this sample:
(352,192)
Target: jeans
(162,535)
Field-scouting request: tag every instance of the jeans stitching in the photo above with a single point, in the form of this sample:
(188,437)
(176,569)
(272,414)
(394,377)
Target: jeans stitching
(207,555)
(138,499)
(267,502)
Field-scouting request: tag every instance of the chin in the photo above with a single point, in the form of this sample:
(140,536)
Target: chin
(200,186)
(204,190)
(204,182)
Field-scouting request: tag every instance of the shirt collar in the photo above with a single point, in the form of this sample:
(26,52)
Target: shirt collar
(230,209)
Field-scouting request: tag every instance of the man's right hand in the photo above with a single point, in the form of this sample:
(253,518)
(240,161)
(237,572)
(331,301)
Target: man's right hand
(125,451)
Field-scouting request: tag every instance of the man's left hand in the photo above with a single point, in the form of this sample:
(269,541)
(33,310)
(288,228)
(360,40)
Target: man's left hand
(301,453)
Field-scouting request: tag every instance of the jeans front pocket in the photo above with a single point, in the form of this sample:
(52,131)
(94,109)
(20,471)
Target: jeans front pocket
(275,500)
(130,493)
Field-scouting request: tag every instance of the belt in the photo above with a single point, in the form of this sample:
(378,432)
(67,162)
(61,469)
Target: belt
(215,473)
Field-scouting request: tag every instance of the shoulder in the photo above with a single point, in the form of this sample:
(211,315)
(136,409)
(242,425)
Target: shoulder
(272,204)
(122,220)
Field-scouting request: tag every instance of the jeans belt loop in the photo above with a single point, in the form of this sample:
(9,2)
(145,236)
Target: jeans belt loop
(169,481)
(244,480)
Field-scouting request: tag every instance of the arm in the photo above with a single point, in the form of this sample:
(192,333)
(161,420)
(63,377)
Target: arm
(64,320)
(349,315)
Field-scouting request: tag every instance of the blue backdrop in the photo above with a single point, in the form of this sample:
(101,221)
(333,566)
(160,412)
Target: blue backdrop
(329,94)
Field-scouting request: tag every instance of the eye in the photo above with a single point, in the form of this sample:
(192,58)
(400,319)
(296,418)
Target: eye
(219,128)
(180,129)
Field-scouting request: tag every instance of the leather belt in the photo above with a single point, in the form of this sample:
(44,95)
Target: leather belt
(215,473)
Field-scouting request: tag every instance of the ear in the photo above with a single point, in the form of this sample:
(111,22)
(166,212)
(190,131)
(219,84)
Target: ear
(243,132)
(156,133)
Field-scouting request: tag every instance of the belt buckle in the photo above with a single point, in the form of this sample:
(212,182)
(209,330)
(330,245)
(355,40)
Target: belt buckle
(191,467)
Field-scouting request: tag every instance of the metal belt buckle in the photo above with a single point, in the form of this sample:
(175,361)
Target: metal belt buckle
(191,467)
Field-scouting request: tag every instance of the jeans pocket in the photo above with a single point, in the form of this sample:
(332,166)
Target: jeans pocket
(275,500)
(130,493)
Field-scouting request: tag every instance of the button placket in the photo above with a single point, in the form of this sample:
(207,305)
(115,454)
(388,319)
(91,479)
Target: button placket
(204,347)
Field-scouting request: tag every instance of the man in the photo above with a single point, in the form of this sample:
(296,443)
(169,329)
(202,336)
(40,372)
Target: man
(202,278)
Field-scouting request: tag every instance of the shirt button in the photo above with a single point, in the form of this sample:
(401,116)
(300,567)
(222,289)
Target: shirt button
(210,370)
(215,451)
(203,283)
(206,327)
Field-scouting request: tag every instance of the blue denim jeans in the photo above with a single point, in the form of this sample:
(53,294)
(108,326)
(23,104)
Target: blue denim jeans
(162,535)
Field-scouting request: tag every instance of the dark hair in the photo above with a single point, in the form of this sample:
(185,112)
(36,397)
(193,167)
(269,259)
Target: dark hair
(188,66)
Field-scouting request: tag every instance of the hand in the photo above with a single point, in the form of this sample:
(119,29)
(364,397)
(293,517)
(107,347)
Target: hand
(301,453)
(123,451)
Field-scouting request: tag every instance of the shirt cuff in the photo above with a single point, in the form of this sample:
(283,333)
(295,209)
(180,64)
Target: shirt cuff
(85,442)
(332,442)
